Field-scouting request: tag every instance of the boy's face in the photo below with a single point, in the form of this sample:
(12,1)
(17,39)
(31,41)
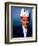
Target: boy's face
(25,21)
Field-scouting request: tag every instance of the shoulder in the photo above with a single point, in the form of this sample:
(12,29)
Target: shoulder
(29,32)
(18,27)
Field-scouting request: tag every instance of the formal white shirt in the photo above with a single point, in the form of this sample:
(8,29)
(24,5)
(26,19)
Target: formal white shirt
(24,31)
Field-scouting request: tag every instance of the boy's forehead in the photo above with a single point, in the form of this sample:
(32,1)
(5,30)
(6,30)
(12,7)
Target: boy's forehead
(24,17)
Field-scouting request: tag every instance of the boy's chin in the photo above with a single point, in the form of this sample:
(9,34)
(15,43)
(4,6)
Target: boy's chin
(26,26)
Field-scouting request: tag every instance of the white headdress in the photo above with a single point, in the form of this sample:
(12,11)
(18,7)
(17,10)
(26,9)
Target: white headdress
(24,12)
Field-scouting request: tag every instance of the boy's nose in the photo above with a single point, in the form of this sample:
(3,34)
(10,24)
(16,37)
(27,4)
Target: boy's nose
(27,23)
